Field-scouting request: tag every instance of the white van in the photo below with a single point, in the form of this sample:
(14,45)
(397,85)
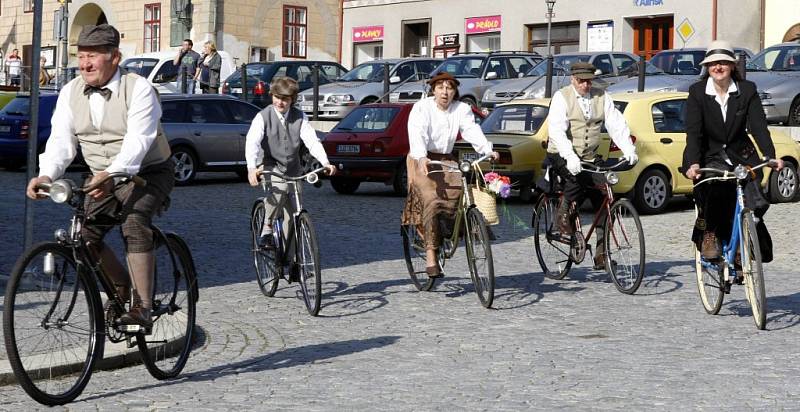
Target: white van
(158,68)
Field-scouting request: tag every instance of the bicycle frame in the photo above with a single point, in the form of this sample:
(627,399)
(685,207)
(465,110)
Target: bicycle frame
(602,213)
(736,240)
(465,203)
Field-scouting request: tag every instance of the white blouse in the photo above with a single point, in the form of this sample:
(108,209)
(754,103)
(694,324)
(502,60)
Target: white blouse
(431,129)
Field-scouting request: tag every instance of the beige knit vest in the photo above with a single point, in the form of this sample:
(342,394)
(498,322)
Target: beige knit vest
(584,133)
(101,146)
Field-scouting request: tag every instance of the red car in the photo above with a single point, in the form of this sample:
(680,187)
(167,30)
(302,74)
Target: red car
(370,145)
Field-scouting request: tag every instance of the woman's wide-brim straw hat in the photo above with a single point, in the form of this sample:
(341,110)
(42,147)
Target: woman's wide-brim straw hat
(719,50)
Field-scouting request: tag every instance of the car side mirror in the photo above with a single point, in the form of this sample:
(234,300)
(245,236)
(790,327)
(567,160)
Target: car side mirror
(491,75)
(598,72)
(394,79)
(159,78)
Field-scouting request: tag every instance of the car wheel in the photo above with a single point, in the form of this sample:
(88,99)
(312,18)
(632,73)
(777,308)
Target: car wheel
(185,165)
(652,192)
(794,113)
(400,181)
(783,184)
(344,186)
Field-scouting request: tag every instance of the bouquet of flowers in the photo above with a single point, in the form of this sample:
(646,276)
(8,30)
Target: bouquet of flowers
(498,185)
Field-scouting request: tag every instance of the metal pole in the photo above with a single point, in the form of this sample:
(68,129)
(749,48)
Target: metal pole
(548,85)
(33,135)
(386,82)
(244,82)
(641,74)
(63,79)
(315,109)
(742,65)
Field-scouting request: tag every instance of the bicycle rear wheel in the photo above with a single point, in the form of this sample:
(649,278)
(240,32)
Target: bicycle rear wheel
(308,259)
(625,251)
(479,256)
(53,324)
(710,284)
(166,350)
(752,270)
(266,269)
(552,249)
(414,252)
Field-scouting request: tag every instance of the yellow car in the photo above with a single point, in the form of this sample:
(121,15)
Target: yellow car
(657,122)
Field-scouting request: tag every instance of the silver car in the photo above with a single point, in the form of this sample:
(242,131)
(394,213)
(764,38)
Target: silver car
(612,67)
(362,85)
(475,71)
(671,70)
(776,72)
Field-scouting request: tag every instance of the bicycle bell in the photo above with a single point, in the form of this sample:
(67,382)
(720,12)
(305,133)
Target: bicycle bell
(740,172)
(312,178)
(465,167)
(612,178)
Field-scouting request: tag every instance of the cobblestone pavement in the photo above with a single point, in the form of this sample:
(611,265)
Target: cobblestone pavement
(574,344)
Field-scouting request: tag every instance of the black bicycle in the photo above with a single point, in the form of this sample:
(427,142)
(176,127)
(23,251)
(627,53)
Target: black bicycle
(53,316)
(296,251)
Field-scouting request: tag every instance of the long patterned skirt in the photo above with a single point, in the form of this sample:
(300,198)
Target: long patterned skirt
(431,196)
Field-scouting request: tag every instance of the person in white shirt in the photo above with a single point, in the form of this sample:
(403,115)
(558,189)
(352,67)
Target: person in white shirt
(14,65)
(576,116)
(273,144)
(113,116)
(433,125)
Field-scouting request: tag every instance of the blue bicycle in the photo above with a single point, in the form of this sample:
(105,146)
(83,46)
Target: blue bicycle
(714,278)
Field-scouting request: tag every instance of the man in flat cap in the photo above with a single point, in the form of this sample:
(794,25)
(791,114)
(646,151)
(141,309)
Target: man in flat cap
(577,114)
(113,116)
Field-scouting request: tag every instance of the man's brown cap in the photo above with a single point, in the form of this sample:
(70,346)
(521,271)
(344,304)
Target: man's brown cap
(582,70)
(102,35)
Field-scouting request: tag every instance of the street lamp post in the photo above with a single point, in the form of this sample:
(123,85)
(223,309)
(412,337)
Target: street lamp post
(548,88)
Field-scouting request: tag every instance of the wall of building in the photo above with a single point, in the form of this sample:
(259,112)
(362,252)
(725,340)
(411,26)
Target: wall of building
(780,16)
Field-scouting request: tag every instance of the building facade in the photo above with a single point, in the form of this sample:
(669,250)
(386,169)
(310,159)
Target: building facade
(250,30)
(398,28)
(781,21)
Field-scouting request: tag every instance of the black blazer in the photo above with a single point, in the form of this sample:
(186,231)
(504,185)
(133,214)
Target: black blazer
(707,136)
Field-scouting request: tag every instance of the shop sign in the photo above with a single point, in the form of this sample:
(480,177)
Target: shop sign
(367,33)
(641,3)
(600,36)
(485,24)
(447,39)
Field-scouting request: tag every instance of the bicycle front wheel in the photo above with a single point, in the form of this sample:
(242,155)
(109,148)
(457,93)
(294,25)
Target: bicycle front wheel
(624,240)
(752,270)
(414,252)
(552,249)
(264,260)
(710,284)
(308,259)
(53,327)
(479,256)
(166,350)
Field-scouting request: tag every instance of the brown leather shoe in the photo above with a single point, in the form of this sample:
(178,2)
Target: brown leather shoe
(137,316)
(433,271)
(710,247)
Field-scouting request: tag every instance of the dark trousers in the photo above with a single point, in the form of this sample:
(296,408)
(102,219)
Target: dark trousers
(577,188)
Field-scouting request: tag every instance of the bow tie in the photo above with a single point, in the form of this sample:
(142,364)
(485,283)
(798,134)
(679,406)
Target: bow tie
(104,91)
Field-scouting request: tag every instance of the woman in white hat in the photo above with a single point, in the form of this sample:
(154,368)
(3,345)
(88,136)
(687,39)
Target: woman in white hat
(718,111)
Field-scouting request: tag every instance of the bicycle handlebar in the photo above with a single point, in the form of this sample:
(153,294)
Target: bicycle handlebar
(604,167)
(65,188)
(464,166)
(740,172)
(311,177)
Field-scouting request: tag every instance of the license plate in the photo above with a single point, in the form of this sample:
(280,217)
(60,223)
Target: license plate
(348,148)
(469,156)
(236,90)
(306,107)
(5,129)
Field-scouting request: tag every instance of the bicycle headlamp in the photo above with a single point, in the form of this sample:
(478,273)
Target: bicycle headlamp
(60,191)
(740,172)
(612,178)
(465,167)
(312,178)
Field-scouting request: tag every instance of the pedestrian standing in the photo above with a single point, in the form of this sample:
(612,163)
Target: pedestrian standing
(44,76)
(187,61)
(14,67)
(209,69)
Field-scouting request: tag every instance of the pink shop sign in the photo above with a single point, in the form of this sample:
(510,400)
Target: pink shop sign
(485,24)
(367,33)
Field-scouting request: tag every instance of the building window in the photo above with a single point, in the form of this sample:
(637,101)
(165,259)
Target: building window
(260,54)
(27,6)
(564,37)
(294,31)
(152,27)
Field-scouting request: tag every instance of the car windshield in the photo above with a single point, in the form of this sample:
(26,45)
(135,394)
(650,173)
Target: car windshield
(515,118)
(140,66)
(254,71)
(541,69)
(368,119)
(21,106)
(569,59)
(462,66)
(366,72)
(776,58)
(679,62)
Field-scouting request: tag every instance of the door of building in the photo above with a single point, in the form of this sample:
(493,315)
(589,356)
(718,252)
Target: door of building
(651,35)
(416,38)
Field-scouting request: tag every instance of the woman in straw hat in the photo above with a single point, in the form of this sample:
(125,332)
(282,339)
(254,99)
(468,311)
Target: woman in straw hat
(719,110)
(433,125)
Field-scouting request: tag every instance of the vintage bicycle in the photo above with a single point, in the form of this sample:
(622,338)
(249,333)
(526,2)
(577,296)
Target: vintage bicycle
(623,238)
(53,316)
(714,278)
(298,248)
(469,224)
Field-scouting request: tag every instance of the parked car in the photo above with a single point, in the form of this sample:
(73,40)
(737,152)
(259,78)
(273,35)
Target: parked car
(159,70)
(776,72)
(363,84)
(6,97)
(671,70)
(370,145)
(259,76)
(657,123)
(15,128)
(475,71)
(206,132)
(612,67)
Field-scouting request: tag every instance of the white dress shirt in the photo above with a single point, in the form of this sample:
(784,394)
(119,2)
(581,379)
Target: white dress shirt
(722,101)
(143,117)
(431,129)
(254,152)
(558,123)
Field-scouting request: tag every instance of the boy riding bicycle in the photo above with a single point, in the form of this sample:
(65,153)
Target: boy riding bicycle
(577,114)
(274,140)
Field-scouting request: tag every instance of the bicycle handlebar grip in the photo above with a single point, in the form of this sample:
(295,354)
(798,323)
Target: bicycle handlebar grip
(44,186)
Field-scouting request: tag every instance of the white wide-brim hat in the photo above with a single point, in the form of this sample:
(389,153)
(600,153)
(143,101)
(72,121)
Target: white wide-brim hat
(719,50)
